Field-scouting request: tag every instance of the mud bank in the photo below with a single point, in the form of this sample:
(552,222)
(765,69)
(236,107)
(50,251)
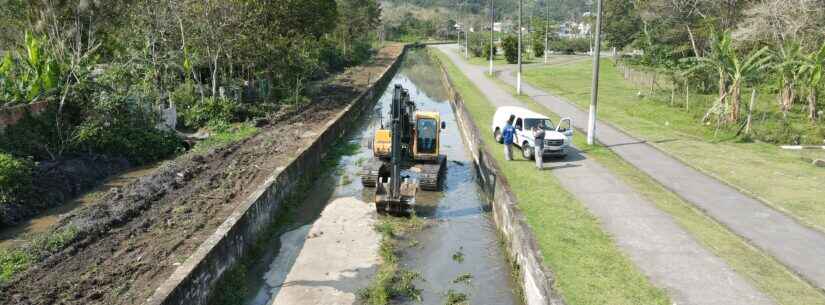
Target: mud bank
(535,280)
(57,182)
(192,282)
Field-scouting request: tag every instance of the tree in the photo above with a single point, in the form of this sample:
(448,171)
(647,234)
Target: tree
(734,71)
(788,65)
(742,70)
(813,70)
(717,59)
(780,21)
(357,18)
(538,46)
(622,24)
(510,46)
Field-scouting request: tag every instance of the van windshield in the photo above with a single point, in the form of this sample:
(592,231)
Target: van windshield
(530,123)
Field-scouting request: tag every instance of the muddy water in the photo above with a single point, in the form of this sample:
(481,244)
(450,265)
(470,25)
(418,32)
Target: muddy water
(12,236)
(459,218)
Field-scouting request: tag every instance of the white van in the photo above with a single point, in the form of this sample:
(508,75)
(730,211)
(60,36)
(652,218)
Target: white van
(557,138)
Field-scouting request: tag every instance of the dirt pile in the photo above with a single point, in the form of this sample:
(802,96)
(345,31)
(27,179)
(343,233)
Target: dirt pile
(136,237)
(57,182)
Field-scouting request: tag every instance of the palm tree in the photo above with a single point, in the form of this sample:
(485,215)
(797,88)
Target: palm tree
(813,71)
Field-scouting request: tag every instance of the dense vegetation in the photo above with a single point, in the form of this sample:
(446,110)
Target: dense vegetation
(106,69)
(737,49)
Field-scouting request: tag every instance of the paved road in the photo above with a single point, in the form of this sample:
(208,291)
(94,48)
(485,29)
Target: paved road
(661,249)
(797,246)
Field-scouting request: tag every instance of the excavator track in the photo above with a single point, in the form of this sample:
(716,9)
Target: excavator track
(371,171)
(432,174)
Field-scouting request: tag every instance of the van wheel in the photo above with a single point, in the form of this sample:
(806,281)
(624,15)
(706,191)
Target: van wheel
(497,135)
(527,151)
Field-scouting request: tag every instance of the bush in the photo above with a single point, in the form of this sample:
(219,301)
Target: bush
(211,109)
(510,46)
(15,178)
(570,46)
(538,46)
(480,45)
(140,145)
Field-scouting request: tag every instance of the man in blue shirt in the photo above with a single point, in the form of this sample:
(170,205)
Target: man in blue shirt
(507,135)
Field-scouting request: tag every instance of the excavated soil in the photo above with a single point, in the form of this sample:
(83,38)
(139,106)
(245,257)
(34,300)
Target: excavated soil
(138,234)
(56,182)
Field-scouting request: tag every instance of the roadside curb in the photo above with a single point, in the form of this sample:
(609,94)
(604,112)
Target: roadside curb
(192,282)
(535,280)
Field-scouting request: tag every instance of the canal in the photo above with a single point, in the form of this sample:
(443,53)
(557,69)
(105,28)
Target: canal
(458,251)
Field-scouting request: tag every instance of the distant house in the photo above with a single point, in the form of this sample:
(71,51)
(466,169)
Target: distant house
(572,29)
(576,27)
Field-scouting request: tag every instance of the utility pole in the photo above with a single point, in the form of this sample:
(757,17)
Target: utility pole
(492,35)
(518,77)
(466,28)
(546,30)
(594,95)
(458,32)
(467,43)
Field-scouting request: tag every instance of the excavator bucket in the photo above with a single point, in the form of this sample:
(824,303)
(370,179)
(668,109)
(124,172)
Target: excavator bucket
(400,205)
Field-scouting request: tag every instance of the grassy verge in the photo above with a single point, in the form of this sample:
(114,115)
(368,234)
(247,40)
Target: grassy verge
(13,261)
(392,281)
(225,134)
(766,274)
(589,268)
(784,179)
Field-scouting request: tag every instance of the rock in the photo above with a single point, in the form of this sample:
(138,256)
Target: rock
(819,163)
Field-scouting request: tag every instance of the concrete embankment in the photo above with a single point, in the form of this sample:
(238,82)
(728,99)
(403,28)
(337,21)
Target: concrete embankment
(192,282)
(535,280)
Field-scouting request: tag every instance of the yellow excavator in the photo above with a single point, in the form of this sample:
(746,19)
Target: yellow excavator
(413,142)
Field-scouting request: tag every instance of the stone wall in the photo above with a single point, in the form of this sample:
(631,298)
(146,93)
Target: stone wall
(536,281)
(193,281)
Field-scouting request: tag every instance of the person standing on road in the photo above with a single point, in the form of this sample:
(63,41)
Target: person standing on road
(538,141)
(507,136)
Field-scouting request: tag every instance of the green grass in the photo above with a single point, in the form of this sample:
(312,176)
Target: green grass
(784,179)
(762,270)
(499,60)
(392,281)
(226,135)
(588,266)
(14,261)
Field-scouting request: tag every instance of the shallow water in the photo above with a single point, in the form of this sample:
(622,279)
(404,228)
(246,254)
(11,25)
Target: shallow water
(12,236)
(458,216)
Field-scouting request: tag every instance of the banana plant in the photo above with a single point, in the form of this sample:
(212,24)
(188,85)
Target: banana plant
(30,77)
(813,71)
(741,70)
(788,64)
(6,68)
(719,59)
